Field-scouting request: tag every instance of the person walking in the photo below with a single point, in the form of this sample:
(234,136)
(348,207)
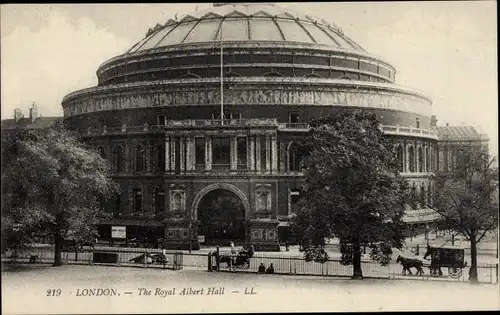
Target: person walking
(233,250)
(164,256)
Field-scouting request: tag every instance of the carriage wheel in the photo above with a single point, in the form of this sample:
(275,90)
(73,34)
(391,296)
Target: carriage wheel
(454,272)
(434,272)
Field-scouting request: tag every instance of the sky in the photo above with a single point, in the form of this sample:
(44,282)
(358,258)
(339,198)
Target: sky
(447,49)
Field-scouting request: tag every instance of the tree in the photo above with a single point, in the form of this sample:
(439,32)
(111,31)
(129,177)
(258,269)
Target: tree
(467,199)
(56,183)
(352,190)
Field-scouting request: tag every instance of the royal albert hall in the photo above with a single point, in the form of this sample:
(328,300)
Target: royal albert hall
(156,116)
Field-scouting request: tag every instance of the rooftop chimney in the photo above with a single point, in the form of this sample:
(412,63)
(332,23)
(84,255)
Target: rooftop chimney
(433,121)
(33,112)
(18,114)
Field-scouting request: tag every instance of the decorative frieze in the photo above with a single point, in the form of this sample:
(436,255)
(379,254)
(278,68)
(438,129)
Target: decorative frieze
(329,96)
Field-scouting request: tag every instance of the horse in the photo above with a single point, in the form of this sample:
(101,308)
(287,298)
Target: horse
(241,260)
(409,263)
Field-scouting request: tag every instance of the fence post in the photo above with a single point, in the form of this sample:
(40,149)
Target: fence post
(218,258)
(496,267)
(210,261)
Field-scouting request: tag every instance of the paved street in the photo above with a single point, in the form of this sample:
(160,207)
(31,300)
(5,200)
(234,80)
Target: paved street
(25,291)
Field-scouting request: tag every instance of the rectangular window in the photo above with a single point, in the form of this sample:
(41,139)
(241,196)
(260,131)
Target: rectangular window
(294,201)
(138,200)
(347,63)
(294,118)
(221,150)
(199,144)
(159,201)
(242,152)
(232,115)
(262,153)
(160,158)
(162,120)
(177,155)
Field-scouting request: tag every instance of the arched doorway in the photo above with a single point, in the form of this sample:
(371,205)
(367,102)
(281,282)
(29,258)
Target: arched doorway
(221,217)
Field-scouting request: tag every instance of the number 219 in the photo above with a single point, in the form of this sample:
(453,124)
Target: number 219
(53,292)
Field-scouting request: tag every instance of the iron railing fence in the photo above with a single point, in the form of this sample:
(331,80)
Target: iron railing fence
(283,264)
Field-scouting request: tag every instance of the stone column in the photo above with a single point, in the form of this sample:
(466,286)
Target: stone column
(417,158)
(167,154)
(148,159)
(172,155)
(208,153)
(406,158)
(257,152)
(251,159)
(268,153)
(283,157)
(424,150)
(233,153)
(274,154)
(189,154)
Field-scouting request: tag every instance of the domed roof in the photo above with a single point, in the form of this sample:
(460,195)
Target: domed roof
(245,22)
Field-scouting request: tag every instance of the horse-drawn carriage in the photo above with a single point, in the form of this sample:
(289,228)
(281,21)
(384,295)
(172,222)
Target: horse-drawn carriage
(241,260)
(446,256)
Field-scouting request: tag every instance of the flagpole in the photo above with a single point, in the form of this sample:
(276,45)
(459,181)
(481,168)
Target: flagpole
(221,78)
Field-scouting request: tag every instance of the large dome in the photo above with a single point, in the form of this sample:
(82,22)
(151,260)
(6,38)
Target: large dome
(245,22)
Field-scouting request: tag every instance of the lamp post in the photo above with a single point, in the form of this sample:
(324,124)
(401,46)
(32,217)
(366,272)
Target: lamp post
(190,236)
(427,233)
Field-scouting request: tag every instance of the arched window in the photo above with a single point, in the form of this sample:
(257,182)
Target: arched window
(399,156)
(118,204)
(232,75)
(159,200)
(411,158)
(427,159)
(139,159)
(177,202)
(118,164)
(312,75)
(101,152)
(190,75)
(295,157)
(422,196)
(138,200)
(160,159)
(272,74)
(420,160)
(414,197)
(429,194)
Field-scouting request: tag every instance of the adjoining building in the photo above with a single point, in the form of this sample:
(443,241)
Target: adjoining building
(34,121)
(180,138)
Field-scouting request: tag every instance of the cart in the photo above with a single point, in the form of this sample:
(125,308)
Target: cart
(450,257)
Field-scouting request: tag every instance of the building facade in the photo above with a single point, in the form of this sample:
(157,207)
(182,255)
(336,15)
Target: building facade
(156,116)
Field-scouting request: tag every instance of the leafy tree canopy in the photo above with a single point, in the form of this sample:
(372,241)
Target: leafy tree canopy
(352,190)
(54,181)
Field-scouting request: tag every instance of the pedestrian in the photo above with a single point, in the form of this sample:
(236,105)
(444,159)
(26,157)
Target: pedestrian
(233,250)
(262,268)
(270,269)
(164,258)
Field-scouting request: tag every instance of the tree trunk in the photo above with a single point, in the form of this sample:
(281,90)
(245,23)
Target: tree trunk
(356,261)
(473,259)
(58,243)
